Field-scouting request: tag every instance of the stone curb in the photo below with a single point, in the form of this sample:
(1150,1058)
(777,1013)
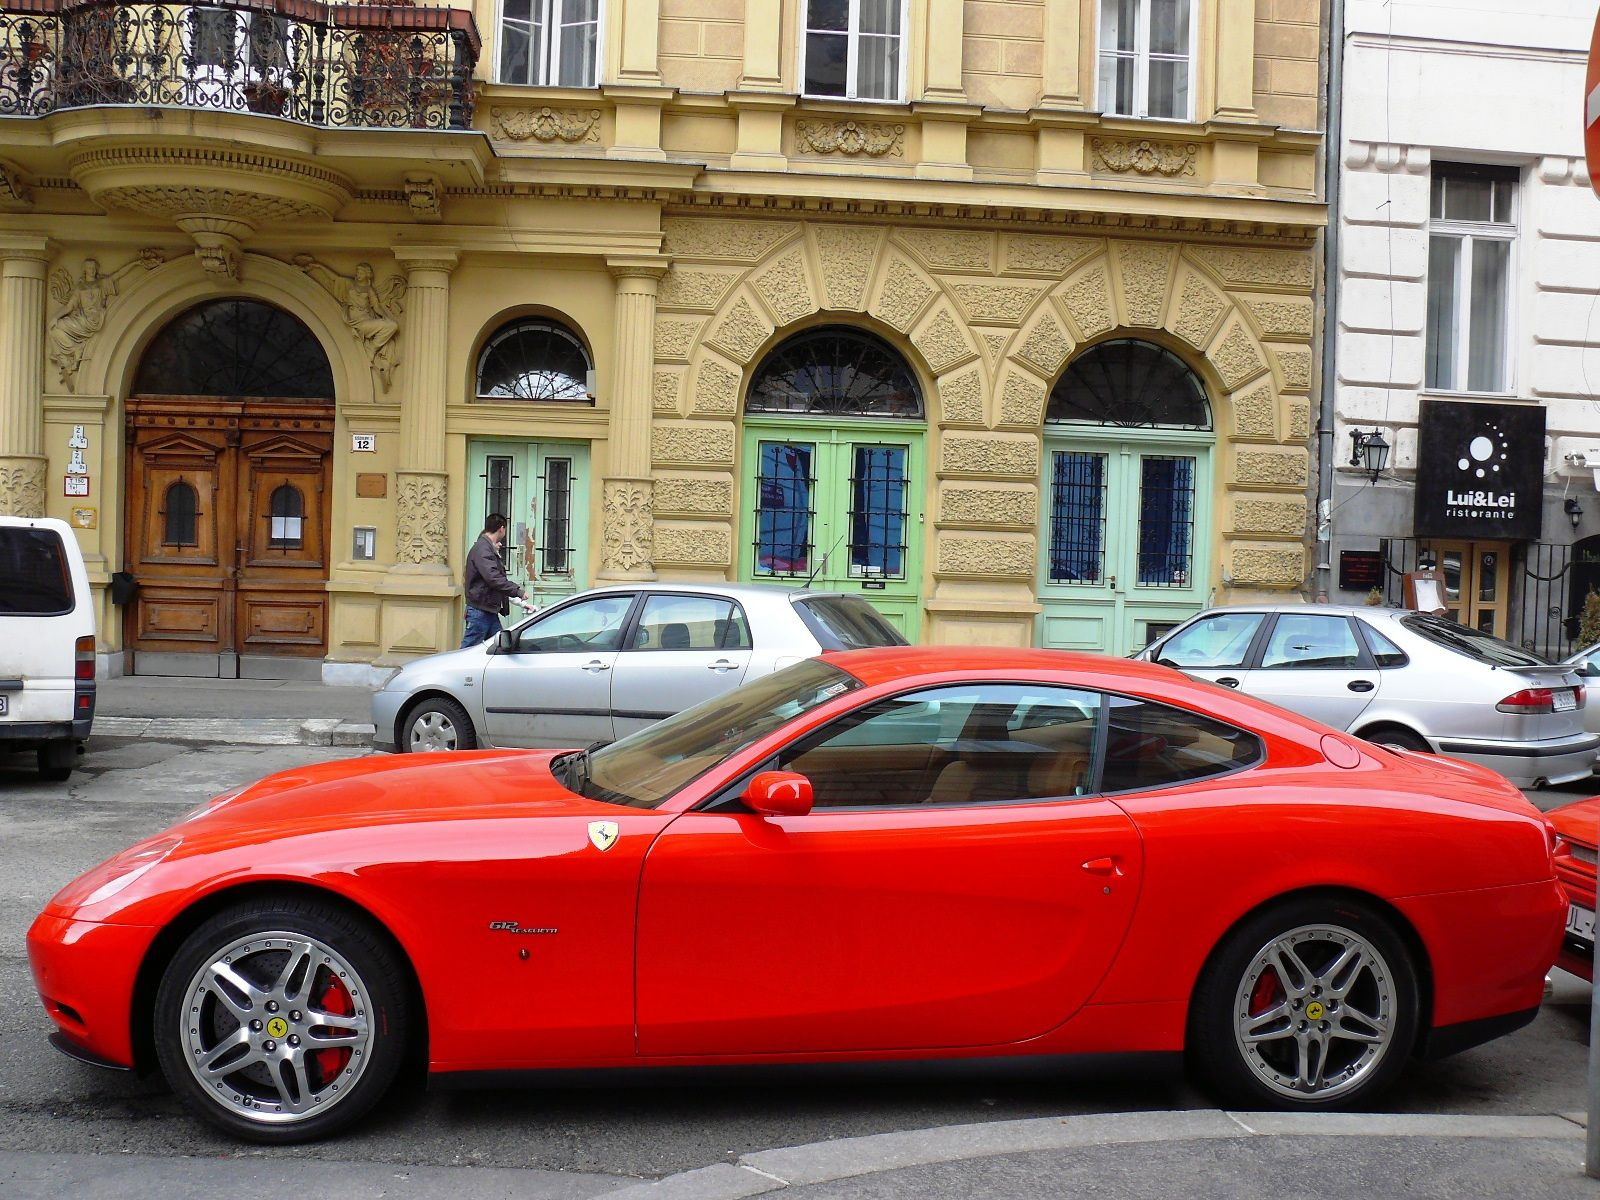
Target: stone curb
(824,1162)
(255,731)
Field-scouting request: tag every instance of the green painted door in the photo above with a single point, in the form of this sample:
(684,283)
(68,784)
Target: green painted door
(1125,534)
(542,490)
(838,504)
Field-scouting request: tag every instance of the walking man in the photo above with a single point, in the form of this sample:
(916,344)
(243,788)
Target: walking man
(489,592)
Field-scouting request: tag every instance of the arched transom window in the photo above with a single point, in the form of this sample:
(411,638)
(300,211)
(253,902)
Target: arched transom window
(835,371)
(180,513)
(286,516)
(535,359)
(1130,383)
(235,348)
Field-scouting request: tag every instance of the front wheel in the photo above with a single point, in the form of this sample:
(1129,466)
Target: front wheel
(1311,1004)
(437,723)
(282,1020)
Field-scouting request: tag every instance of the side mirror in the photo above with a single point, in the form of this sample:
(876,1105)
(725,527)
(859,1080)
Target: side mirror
(505,642)
(779,794)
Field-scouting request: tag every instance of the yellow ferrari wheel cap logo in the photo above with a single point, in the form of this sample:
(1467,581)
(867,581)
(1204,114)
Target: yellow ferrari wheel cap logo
(1315,1011)
(603,834)
(277,1027)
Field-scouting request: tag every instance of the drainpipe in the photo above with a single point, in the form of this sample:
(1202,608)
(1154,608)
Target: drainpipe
(1333,159)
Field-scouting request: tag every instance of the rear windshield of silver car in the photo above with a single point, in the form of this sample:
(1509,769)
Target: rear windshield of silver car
(34,578)
(847,623)
(1474,643)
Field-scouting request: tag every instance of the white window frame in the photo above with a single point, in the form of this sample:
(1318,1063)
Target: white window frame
(852,34)
(549,70)
(1141,63)
(1468,233)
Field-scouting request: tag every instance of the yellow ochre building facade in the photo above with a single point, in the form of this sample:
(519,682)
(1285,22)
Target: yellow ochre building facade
(1000,314)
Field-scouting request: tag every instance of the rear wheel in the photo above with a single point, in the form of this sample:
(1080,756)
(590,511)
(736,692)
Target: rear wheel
(1311,1004)
(437,723)
(1396,738)
(56,760)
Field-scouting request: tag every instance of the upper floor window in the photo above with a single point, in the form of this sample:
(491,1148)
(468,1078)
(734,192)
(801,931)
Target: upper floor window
(1146,58)
(550,43)
(534,359)
(854,48)
(1471,231)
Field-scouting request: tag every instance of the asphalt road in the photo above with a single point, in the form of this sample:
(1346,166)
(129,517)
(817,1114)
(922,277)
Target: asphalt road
(601,1136)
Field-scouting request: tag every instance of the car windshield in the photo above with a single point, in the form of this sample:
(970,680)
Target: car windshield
(644,769)
(1476,645)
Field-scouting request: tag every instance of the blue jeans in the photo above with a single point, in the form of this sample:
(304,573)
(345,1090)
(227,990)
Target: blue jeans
(481,626)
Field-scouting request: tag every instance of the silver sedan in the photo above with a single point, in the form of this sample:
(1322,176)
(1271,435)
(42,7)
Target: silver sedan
(1398,677)
(612,660)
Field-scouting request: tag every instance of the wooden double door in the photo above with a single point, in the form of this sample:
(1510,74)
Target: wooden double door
(227,536)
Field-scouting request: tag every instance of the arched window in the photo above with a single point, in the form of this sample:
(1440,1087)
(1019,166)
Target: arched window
(180,511)
(835,371)
(1130,383)
(535,359)
(236,348)
(286,518)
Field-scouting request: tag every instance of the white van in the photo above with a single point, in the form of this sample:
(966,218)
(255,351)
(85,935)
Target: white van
(46,643)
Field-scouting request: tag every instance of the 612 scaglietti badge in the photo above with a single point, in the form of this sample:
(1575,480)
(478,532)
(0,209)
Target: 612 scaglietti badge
(906,854)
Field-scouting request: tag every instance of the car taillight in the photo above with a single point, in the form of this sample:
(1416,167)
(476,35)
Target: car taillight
(1529,700)
(84,667)
(1579,695)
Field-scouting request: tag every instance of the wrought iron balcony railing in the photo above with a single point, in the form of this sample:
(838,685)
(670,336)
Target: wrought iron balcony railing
(345,65)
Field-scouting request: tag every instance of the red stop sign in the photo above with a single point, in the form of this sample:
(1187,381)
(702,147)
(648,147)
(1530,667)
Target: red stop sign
(1591,109)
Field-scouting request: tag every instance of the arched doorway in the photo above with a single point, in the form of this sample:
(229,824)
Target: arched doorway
(230,444)
(1127,486)
(832,464)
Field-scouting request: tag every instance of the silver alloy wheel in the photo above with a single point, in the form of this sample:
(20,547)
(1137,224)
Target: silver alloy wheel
(431,730)
(263,1032)
(1315,1014)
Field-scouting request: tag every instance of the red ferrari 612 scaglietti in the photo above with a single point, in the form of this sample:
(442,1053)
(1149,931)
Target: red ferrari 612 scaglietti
(893,854)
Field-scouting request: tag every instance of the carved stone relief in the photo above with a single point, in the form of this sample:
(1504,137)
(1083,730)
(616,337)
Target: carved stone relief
(1237,358)
(1142,156)
(13,195)
(420,519)
(372,310)
(1021,401)
(1254,412)
(629,527)
(665,393)
(1041,255)
(850,138)
(949,249)
(742,332)
(1200,306)
(996,303)
(716,390)
(961,397)
(993,556)
(1271,468)
(423,197)
(694,495)
(1282,318)
(1088,303)
(990,505)
(546,124)
(85,302)
(676,336)
(1268,566)
(994,341)
(693,545)
(995,454)
(22,487)
(846,254)
(942,340)
(903,294)
(785,287)
(1280,268)
(698,237)
(1299,418)
(1145,271)
(1295,367)
(1046,345)
(689,287)
(1284,518)
(687,445)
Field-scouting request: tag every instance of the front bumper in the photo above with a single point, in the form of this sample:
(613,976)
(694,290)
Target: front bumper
(386,706)
(85,973)
(1563,760)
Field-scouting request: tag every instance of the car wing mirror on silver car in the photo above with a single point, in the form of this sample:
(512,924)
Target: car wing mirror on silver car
(505,642)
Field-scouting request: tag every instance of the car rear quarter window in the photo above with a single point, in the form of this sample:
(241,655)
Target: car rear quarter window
(35,580)
(670,621)
(1471,643)
(1384,652)
(846,623)
(1150,745)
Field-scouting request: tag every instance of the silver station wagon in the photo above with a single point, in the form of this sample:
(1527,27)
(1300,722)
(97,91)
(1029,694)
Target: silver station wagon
(613,660)
(1401,678)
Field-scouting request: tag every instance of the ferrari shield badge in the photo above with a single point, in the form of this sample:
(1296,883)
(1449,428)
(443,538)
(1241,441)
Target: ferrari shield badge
(603,834)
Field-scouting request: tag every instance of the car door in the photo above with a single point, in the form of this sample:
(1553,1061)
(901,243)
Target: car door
(951,887)
(553,688)
(1215,646)
(683,649)
(1316,664)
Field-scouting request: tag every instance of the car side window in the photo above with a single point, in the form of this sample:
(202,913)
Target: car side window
(1384,652)
(1220,640)
(1150,745)
(592,625)
(1311,642)
(971,744)
(675,622)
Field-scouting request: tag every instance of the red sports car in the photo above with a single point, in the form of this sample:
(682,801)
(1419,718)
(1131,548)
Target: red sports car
(893,854)
(1576,826)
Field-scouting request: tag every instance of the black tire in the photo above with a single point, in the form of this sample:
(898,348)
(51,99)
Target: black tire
(1397,738)
(257,938)
(1229,997)
(439,720)
(56,760)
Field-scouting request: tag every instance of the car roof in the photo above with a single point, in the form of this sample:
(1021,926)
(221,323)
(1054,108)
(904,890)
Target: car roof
(886,664)
(1291,606)
(719,588)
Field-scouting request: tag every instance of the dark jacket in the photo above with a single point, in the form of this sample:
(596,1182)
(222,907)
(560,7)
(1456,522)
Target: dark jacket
(488,589)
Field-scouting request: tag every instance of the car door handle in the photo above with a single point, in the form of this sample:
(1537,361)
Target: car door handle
(720,665)
(1104,866)
(1361,685)
(1228,681)
(595,667)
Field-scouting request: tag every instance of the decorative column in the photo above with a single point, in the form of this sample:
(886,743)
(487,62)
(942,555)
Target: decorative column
(421,482)
(1236,60)
(628,492)
(22,457)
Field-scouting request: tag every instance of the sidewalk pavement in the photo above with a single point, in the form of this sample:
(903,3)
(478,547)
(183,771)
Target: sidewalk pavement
(1195,1155)
(240,712)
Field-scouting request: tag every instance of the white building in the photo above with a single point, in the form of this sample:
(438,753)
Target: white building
(1468,247)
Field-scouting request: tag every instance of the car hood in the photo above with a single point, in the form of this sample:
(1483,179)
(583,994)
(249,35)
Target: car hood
(449,664)
(1578,822)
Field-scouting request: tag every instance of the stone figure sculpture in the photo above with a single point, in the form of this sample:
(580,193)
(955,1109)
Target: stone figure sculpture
(86,301)
(371,310)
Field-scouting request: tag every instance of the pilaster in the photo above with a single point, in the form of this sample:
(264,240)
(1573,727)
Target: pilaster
(628,490)
(1063,54)
(23,259)
(941,77)
(422,481)
(1236,59)
(641,22)
(763,46)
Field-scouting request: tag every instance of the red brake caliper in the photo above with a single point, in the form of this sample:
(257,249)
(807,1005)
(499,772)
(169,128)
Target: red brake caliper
(1267,993)
(334,999)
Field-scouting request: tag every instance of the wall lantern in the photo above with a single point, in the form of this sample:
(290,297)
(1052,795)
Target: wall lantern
(1369,451)
(1574,511)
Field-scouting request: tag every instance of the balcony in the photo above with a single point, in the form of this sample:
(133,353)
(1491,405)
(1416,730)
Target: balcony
(344,66)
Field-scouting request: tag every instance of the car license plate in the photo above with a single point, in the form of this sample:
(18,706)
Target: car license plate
(1580,922)
(5,705)
(1565,701)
